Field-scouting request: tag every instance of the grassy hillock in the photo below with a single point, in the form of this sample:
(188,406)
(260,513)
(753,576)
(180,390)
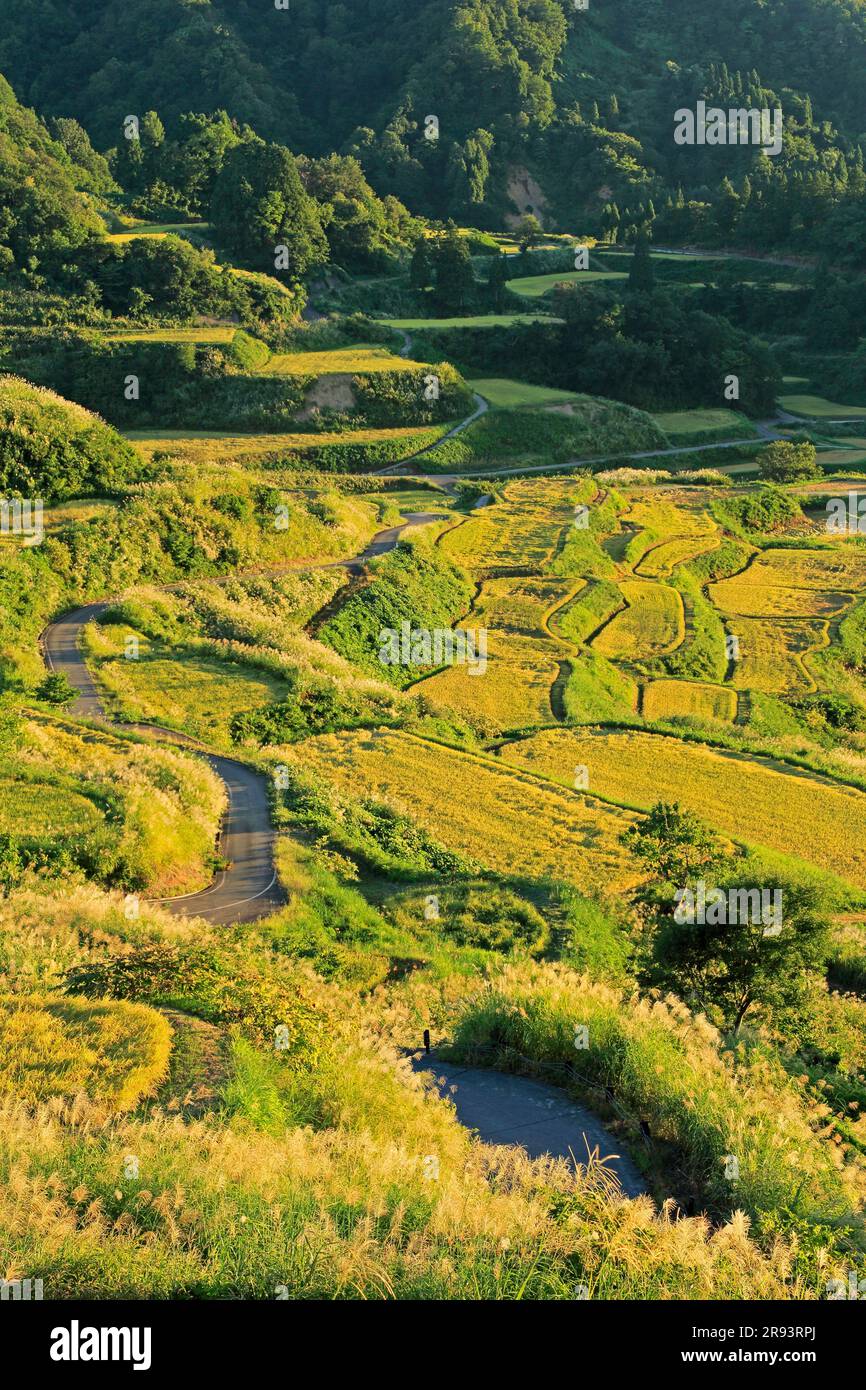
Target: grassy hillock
(53,449)
(584,428)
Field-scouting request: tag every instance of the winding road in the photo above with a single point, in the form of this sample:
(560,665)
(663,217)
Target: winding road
(503,1108)
(248,888)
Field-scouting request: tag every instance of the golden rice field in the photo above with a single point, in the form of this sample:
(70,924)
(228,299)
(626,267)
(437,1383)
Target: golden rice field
(660,561)
(669,699)
(112,1051)
(652,625)
(358,360)
(752,800)
(524,530)
(522,658)
(506,819)
(770,588)
(771,654)
(738,598)
(214,446)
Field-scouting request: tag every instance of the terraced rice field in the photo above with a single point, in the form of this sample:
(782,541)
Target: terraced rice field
(203,333)
(793,583)
(358,360)
(504,394)
(772,655)
(753,800)
(670,699)
(500,816)
(652,625)
(523,660)
(195,694)
(211,446)
(523,531)
(43,813)
(662,560)
(534,286)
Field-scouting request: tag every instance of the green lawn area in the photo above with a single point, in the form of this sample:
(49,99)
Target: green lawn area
(504,394)
(477,321)
(360,358)
(818,407)
(698,421)
(534,286)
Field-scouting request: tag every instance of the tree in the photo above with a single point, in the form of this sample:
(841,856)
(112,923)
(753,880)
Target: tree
(672,844)
(57,689)
(641,277)
(720,929)
(421,268)
(785,461)
(455,278)
(757,943)
(496,280)
(529,232)
(259,206)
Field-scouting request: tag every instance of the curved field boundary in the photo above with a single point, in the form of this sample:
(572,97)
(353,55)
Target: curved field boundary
(754,799)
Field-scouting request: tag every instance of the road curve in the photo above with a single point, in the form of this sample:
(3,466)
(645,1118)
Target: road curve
(248,887)
(503,1108)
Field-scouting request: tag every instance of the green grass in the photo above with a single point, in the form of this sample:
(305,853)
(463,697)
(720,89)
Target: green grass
(471,321)
(818,407)
(504,394)
(534,286)
(683,424)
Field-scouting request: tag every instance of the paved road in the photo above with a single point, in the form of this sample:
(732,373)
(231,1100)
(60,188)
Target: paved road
(507,1109)
(248,888)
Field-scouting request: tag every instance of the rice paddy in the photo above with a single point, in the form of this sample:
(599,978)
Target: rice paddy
(524,530)
(523,659)
(652,625)
(753,800)
(672,699)
(534,286)
(504,818)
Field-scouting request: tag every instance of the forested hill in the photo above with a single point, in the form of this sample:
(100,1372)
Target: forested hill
(539,104)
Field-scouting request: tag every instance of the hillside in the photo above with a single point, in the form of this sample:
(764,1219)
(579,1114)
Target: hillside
(541,107)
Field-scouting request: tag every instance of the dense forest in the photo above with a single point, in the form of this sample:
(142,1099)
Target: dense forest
(540,106)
